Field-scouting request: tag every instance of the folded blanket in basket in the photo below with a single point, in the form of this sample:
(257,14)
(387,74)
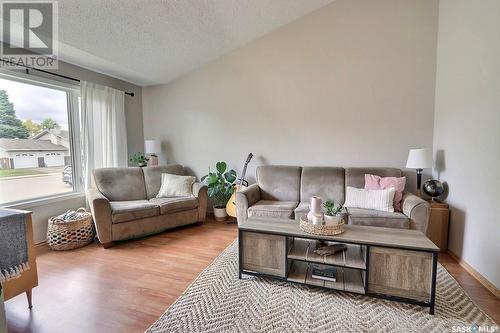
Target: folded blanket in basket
(71,215)
(13,244)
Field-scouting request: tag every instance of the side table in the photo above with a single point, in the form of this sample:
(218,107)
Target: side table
(437,230)
(3,320)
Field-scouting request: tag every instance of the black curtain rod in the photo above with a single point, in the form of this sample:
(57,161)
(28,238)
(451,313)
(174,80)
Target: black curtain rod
(51,73)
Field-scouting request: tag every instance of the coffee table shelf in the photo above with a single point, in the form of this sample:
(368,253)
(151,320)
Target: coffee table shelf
(394,264)
(350,280)
(353,257)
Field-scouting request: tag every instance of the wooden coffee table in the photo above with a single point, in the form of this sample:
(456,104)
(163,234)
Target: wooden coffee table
(394,264)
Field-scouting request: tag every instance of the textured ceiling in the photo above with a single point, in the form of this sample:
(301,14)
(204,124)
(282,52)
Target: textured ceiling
(155,41)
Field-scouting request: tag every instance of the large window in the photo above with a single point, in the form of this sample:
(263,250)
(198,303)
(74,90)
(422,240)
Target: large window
(38,124)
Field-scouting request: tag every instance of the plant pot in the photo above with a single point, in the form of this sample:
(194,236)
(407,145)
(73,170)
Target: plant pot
(142,165)
(220,213)
(333,220)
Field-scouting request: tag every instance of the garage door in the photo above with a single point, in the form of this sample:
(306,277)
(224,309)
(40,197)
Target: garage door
(25,161)
(54,159)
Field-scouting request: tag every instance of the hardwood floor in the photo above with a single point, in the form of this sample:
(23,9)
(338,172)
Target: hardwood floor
(121,289)
(127,287)
(488,302)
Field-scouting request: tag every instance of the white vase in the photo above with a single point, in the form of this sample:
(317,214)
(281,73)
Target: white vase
(316,205)
(220,213)
(317,219)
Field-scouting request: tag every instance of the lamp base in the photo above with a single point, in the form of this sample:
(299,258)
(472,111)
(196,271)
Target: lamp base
(153,160)
(419,182)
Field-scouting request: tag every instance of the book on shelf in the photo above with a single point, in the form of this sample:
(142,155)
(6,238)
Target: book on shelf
(327,273)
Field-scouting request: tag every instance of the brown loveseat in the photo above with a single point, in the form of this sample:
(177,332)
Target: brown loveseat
(285,192)
(124,203)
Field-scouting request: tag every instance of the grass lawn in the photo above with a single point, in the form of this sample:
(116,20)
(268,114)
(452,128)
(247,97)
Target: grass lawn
(19,172)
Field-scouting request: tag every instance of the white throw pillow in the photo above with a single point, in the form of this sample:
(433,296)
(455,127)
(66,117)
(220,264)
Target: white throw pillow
(176,186)
(370,199)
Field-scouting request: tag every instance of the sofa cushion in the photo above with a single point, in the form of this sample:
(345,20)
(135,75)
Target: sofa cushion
(120,184)
(302,209)
(355,177)
(273,209)
(324,182)
(152,177)
(279,182)
(175,186)
(373,182)
(177,204)
(370,217)
(123,211)
(382,200)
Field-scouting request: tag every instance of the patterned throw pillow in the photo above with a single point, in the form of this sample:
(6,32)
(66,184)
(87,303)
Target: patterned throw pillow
(370,199)
(373,182)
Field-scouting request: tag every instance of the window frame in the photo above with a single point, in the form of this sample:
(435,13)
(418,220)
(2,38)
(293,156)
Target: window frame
(72,99)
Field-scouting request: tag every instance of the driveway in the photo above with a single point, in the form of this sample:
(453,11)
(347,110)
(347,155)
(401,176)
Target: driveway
(24,188)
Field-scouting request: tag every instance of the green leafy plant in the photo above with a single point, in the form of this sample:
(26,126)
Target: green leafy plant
(220,184)
(330,208)
(139,159)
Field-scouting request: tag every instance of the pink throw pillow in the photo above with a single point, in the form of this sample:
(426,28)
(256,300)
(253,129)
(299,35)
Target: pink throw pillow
(373,182)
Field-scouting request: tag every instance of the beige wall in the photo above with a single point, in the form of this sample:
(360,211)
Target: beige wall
(135,141)
(467,128)
(351,84)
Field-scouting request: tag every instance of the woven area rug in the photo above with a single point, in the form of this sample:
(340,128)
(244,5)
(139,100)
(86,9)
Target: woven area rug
(217,301)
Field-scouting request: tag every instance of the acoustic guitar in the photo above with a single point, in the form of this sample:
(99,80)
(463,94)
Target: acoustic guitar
(242,183)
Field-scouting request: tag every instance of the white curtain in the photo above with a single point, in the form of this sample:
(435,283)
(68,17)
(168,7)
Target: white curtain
(104,131)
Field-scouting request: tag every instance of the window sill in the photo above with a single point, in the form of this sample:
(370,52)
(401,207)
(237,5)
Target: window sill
(44,201)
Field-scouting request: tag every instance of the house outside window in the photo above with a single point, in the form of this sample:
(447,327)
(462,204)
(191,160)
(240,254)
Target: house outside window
(39,133)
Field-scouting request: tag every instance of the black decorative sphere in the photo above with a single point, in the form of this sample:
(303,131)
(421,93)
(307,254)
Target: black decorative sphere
(433,188)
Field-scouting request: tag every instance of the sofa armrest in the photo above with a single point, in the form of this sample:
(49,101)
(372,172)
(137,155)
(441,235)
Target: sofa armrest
(200,191)
(245,199)
(101,213)
(417,209)
(198,188)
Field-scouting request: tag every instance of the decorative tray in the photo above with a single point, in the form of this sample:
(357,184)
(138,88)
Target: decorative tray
(321,229)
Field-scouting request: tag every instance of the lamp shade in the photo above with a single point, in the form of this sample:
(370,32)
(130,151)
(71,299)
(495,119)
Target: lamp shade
(151,147)
(419,159)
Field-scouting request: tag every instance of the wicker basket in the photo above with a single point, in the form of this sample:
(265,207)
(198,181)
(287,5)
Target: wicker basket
(321,229)
(68,235)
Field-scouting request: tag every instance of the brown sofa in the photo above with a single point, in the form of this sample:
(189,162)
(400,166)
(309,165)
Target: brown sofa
(124,203)
(285,192)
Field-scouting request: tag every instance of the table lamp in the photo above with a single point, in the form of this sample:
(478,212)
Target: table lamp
(152,148)
(419,159)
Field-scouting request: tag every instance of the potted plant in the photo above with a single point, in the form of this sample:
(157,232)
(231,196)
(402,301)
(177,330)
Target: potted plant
(139,159)
(333,214)
(220,188)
